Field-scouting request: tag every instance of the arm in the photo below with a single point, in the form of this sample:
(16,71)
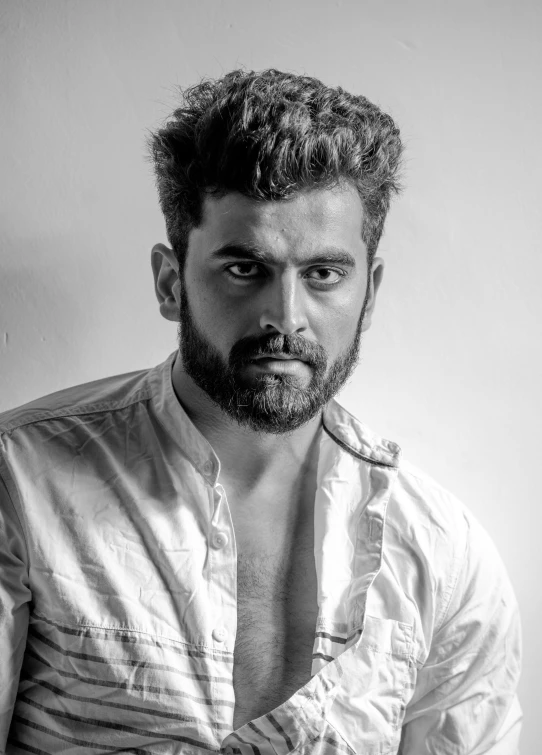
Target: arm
(465,698)
(14,601)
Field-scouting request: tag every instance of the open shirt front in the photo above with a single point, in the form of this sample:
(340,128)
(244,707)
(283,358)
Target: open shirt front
(118,593)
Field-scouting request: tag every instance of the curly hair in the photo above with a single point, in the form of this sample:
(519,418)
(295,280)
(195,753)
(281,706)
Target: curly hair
(268,135)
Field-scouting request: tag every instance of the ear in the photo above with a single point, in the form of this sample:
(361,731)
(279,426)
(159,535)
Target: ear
(375,279)
(165,269)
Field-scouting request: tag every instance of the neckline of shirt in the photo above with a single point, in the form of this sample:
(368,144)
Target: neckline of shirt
(345,429)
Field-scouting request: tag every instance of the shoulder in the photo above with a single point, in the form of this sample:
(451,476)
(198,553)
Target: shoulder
(451,554)
(442,546)
(43,441)
(415,499)
(421,506)
(47,434)
(419,500)
(108,394)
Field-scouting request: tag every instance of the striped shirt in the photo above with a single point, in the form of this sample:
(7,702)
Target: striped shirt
(118,593)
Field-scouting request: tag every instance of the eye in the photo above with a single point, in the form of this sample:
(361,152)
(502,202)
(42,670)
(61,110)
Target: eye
(326,276)
(244,270)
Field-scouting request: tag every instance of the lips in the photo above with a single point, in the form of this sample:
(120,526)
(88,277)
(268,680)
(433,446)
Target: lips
(279,357)
(275,365)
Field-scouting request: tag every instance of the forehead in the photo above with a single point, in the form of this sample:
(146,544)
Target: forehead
(308,221)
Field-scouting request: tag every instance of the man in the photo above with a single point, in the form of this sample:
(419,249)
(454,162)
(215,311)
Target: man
(213,554)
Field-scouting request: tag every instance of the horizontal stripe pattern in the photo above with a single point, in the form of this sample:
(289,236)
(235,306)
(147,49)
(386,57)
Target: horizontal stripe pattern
(334,744)
(130,662)
(112,690)
(55,737)
(112,493)
(133,638)
(328,645)
(143,688)
(274,734)
(16,744)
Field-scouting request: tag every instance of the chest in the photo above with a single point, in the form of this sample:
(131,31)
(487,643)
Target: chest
(276,621)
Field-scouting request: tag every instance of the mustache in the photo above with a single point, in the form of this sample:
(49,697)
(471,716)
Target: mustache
(252,347)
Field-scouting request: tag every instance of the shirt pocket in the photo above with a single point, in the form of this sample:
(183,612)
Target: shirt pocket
(119,689)
(377,671)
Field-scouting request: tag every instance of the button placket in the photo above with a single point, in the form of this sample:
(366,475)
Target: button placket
(222,569)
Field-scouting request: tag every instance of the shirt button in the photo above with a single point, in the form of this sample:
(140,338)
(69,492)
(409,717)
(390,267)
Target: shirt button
(219,634)
(208,467)
(219,540)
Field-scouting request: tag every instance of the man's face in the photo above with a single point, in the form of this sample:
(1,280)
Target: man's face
(274,297)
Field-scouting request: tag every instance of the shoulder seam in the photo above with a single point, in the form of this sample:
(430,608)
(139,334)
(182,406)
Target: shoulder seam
(75,412)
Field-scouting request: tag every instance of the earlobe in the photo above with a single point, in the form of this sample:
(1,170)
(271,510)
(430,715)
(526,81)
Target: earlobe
(165,270)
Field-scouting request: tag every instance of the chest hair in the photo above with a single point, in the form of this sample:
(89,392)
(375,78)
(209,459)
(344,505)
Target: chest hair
(276,623)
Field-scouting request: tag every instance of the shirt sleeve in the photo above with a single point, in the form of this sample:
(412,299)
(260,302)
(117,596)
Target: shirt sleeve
(14,601)
(465,699)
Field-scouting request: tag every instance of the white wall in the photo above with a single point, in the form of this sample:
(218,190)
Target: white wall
(452,365)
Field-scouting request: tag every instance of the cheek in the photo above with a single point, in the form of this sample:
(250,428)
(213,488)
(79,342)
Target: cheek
(204,300)
(218,318)
(338,323)
(339,333)
(221,308)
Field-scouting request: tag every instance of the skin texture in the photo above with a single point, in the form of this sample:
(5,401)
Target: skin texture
(285,295)
(269,478)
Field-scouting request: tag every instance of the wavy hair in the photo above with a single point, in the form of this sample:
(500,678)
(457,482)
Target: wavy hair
(268,135)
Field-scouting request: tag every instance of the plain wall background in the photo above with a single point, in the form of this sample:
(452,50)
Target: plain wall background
(451,368)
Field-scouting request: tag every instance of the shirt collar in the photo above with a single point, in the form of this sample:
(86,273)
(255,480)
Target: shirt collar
(357,439)
(347,431)
(179,425)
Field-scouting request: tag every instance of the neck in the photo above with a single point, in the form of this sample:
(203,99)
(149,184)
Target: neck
(245,455)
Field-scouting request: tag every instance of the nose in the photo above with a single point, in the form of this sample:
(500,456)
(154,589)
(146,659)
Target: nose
(284,306)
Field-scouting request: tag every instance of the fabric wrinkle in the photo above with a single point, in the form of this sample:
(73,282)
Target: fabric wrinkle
(112,591)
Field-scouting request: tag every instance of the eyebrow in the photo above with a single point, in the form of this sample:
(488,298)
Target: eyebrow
(244,251)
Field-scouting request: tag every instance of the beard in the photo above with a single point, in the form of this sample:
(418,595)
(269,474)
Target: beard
(272,403)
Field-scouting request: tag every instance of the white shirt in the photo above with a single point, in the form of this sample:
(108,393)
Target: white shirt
(118,593)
